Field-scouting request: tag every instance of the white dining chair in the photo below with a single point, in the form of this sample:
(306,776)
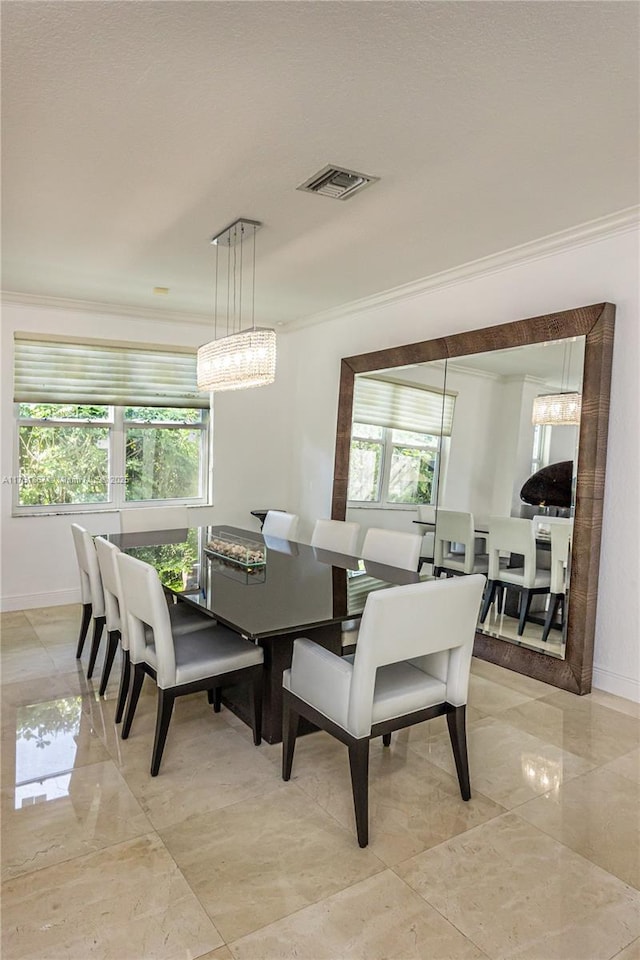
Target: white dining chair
(139,519)
(184,619)
(514,536)
(283,526)
(455,529)
(92,594)
(338,536)
(395,548)
(208,659)
(560,551)
(411,664)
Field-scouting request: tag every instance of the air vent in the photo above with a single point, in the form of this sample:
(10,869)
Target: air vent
(337,183)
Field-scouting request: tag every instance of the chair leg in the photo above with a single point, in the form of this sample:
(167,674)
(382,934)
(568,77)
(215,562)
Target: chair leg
(489,594)
(124,685)
(134,696)
(458,737)
(87,610)
(98,627)
(256,696)
(166,699)
(386,739)
(112,645)
(290,721)
(359,765)
(554,603)
(525,603)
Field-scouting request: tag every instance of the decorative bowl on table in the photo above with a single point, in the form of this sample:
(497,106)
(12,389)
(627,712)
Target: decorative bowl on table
(237,551)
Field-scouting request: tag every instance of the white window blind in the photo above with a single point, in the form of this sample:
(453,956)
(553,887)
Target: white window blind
(57,371)
(387,403)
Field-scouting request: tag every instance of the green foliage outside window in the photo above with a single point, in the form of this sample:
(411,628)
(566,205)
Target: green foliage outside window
(173,561)
(63,465)
(412,472)
(162,464)
(69,462)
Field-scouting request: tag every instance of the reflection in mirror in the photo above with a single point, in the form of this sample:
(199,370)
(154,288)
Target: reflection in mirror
(402,422)
(595,323)
(462,448)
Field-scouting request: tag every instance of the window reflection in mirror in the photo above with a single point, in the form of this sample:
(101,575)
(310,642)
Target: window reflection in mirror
(445,447)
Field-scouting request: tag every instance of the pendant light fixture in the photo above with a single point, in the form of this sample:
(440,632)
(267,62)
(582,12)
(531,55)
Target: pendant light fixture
(559,409)
(241,358)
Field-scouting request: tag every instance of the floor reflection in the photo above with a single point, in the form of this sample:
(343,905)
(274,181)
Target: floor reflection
(543,774)
(46,746)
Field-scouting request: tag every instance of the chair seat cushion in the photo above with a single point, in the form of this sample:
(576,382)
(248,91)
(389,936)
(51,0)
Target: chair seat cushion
(402,688)
(453,561)
(213,651)
(516,575)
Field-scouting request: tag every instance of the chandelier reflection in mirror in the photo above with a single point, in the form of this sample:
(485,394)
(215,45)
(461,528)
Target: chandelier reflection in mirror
(564,407)
(241,358)
(557,409)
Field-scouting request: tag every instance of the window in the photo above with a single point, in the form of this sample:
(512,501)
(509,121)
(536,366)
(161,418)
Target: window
(396,445)
(77,446)
(541,443)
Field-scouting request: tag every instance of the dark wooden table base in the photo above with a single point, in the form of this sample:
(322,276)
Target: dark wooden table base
(278,652)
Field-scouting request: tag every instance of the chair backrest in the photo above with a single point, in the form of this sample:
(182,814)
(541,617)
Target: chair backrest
(279,524)
(543,524)
(427,513)
(107,553)
(393,547)
(145,603)
(341,536)
(560,541)
(90,579)
(78,543)
(432,624)
(512,535)
(454,526)
(138,519)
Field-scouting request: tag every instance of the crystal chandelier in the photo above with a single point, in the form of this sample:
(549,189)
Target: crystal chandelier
(564,407)
(557,409)
(240,358)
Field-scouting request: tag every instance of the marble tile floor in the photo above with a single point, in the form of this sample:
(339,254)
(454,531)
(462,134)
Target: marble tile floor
(218,858)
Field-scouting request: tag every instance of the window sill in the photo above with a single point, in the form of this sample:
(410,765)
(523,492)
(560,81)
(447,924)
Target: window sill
(400,507)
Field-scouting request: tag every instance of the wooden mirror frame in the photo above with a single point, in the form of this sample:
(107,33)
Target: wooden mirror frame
(596,324)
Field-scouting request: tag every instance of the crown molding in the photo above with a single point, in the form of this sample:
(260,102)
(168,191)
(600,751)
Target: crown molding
(110,309)
(623,221)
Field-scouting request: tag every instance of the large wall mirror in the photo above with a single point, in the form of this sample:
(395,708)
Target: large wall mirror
(492,444)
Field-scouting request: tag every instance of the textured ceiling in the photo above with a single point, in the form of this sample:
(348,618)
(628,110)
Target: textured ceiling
(132,132)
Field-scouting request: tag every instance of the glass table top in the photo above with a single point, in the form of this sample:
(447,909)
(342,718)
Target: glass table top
(295,586)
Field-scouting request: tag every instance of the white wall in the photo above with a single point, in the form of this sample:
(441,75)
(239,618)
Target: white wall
(606,270)
(276,446)
(37,560)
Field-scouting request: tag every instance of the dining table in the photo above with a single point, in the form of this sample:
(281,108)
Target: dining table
(267,590)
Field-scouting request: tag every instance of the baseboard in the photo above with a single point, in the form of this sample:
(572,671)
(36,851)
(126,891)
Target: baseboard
(615,683)
(27,601)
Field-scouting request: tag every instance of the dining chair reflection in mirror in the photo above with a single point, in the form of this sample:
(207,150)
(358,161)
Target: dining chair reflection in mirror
(515,537)
(455,529)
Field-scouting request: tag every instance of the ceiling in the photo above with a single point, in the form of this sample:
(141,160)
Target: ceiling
(133,132)
(556,363)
